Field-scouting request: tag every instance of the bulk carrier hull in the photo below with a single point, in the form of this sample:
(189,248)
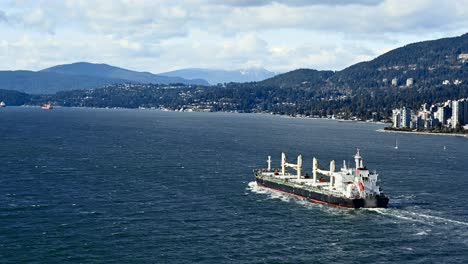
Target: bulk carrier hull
(378,201)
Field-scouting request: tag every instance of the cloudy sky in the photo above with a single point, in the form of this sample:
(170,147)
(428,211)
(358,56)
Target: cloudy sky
(159,36)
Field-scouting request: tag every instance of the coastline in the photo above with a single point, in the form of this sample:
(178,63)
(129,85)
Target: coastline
(227,112)
(423,133)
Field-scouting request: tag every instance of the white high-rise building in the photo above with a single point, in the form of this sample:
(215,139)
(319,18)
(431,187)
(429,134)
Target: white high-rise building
(409,82)
(465,111)
(439,115)
(455,113)
(396,118)
(405,117)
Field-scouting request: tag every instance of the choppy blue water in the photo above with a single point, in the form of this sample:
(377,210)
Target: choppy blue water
(139,186)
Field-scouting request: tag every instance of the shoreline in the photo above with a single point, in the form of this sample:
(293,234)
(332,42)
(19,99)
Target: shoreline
(423,133)
(227,112)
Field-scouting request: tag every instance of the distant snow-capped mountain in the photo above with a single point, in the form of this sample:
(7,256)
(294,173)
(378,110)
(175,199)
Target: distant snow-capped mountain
(214,76)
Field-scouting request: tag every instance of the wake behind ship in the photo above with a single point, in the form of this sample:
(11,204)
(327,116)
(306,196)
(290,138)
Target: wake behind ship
(348,188)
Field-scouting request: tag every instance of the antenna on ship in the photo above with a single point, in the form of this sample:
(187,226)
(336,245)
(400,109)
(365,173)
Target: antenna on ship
(269,163)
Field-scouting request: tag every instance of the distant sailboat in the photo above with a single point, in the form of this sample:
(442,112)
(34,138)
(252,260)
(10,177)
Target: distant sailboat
(396,144)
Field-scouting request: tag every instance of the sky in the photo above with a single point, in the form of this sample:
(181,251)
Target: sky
(159,36)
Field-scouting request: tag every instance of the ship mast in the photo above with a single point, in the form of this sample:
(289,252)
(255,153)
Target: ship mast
(332,170)
(297,167)
(314,170)
(269,163)
(283,163)
(329,173)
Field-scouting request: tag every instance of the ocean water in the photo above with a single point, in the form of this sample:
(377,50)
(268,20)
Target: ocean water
(142,186)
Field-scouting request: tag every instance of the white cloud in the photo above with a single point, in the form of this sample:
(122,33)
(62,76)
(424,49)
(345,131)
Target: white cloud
(3,17)
(163,35)
(295,2)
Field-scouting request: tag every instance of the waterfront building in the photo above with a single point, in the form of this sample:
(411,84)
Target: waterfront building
(409,82)
(457,113)
(439,115)
(463,111)
(405,117)
(396,118)
(448,114)
(463,57)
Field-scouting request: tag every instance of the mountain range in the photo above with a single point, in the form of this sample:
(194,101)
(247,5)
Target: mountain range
(81,75)
(112,72)
(214,76)
(85,75)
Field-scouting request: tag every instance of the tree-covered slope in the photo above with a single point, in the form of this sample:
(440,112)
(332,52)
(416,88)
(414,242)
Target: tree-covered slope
(49,82)
(11,98)
(429,63)
(298,77)
(215,76)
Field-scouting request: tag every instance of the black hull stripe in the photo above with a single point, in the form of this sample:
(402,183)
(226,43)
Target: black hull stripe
(378,202)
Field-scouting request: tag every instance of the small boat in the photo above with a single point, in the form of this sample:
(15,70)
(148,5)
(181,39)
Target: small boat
(396,144)
(47,107)
(2,104)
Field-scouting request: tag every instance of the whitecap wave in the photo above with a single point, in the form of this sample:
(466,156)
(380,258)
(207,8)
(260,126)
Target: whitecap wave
(416,216)
(423,233)
(253,187)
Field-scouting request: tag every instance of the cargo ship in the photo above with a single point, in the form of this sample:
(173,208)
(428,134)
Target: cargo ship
(348,188)
(47,107)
